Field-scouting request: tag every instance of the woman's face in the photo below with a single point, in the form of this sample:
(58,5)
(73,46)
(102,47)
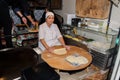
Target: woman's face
(50,20)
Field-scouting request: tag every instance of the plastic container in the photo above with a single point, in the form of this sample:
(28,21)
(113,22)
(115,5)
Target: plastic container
(79,24)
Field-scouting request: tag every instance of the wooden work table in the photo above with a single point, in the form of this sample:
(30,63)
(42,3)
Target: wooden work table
(59,62)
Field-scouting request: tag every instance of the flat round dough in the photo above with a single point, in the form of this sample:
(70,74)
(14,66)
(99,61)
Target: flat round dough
(60,51)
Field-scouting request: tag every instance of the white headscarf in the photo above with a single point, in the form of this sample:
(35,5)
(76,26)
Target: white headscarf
(49,14)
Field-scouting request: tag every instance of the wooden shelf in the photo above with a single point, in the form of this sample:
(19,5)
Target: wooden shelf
(93,8)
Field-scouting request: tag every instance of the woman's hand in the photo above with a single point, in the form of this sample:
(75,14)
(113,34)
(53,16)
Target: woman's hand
(67,47)
(24,20)
(34,23)
(50,49)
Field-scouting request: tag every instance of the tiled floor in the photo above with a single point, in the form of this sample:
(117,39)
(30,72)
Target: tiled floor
(90,73)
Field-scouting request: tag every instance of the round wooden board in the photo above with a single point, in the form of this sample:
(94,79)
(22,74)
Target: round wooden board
(59,62)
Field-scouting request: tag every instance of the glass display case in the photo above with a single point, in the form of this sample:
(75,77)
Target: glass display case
(98,36)
(87,36)
(29,39)
(24,36)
